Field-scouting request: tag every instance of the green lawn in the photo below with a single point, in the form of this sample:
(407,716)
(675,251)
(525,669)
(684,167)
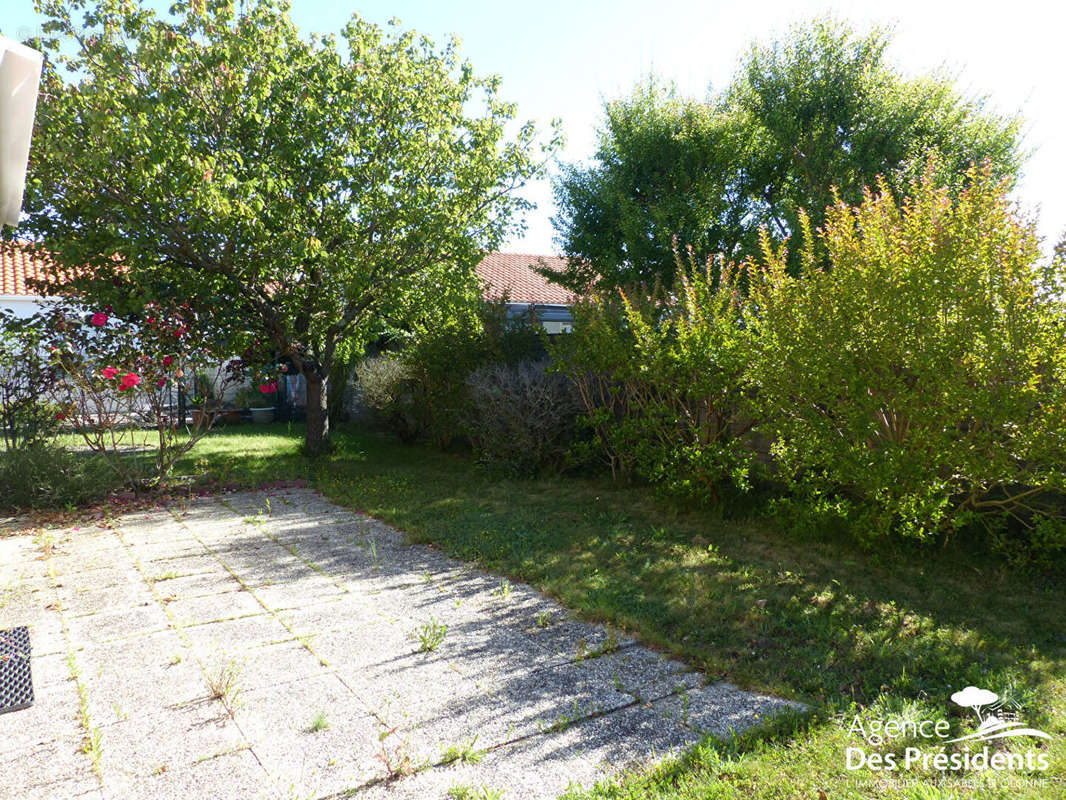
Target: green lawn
(845,630)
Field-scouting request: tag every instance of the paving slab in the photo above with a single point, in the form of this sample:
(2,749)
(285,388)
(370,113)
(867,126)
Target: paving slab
(124,678)
(312,732)
(311,610)
(46,770)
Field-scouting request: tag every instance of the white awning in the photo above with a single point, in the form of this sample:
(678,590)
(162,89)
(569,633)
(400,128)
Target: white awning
(20,78)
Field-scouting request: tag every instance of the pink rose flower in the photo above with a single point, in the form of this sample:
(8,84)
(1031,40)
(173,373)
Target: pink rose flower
(98,319)
(129,380)
(109,372)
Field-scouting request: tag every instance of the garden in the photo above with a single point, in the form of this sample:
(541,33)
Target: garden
(805,440)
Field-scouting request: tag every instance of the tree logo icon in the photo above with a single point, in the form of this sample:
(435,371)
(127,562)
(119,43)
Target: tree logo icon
(991,726)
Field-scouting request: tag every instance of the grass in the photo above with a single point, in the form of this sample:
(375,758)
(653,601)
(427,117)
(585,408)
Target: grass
(464,791)
(736,595)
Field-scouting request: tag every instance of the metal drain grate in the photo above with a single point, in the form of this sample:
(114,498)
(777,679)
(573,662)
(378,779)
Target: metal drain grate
(16,684)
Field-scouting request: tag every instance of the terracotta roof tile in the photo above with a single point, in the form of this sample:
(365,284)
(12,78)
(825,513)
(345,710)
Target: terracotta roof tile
(502,273)
(20,265)
(512,274)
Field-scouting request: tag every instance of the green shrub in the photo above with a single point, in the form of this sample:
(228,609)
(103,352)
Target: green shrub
(441,356)
(521,417)
(26,378)
(422,391)
(386,388)
(917,384)
(661,376)
(45,476)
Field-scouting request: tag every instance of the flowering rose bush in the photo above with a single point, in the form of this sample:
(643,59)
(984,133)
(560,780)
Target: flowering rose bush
(123,381)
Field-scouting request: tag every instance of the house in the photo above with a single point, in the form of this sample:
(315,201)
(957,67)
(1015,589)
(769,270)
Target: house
(504,276)
(20,269)
(513,277)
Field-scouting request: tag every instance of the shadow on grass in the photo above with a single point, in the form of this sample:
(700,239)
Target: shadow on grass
(740,599)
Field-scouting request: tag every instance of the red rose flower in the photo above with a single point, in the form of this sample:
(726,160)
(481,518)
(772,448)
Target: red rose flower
(129,380)
(167,361)
(98,319)
(109,372)
(161,382)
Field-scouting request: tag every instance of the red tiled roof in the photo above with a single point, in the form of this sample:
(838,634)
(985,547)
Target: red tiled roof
(20,265)
(512,274)
(502,273)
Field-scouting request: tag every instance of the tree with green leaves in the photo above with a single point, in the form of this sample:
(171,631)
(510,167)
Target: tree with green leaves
(305,191)
(819,110)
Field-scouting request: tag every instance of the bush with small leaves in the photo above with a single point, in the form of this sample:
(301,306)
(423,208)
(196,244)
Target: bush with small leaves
(521,417)
(917,384)
(46,476)
(661,374)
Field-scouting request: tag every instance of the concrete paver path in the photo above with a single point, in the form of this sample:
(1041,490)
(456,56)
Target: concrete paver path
(274,645)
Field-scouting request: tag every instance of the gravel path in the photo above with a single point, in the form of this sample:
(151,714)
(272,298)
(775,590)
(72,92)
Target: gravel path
(274,645)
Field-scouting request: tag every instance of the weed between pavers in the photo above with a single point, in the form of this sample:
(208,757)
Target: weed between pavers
(609,645)
(223,680)
(463,753)
(395,756)
(430,635)
(318,723)
(91,744)
(464,791)
(564,721)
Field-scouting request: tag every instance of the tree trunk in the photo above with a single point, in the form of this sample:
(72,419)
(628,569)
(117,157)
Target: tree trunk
(338,382)
(316,435)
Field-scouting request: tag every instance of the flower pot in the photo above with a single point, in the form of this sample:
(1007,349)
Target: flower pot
(262,415)
(203,419)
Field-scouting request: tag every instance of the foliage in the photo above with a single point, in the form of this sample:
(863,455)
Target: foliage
(661,376)
(118,381)
(422,391)
(663,169)
(26,375)
(249,397)
(921,380)
(444,351)
(44,475)
(385,387)
(521,417)
(304,191)
(819,109)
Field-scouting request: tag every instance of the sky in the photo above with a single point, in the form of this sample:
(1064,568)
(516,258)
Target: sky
(563,58)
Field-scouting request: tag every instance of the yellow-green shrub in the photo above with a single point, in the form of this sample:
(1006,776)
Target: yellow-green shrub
(661,376)
(918,381)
